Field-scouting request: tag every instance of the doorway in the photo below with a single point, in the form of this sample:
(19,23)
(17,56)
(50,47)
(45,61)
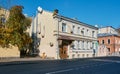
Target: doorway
(63,52)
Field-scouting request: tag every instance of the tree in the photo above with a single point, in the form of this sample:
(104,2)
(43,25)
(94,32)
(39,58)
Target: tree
(14,32)
(2,41)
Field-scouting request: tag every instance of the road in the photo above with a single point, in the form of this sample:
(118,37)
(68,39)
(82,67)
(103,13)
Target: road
(103,65)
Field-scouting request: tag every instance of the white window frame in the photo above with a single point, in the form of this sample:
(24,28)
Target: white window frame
(78,30)
(65,27)
(73,29)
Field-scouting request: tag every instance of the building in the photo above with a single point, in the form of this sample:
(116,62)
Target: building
(103,50)
(108,29)
(61,37)
(13,51)
(109,40)
(3,14)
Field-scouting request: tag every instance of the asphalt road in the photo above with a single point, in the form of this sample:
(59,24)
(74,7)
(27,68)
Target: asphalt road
(103,65)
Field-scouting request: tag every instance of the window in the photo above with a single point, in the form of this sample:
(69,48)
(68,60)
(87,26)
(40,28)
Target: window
(87,55)
(78,44)
(73,29)
(83,55)
(78,30)
(73,55)
(108,50)
(87,32)
(93,45)
(87,45)
(102,41)
(78,55)
(93,33)
(98,42)
(64,27)
(82,31)
(108,41)
(75,44)
(82,45)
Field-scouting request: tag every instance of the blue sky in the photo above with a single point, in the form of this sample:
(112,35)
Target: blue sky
(94,12)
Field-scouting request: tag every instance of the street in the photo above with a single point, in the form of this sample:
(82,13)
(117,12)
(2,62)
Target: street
(102,65)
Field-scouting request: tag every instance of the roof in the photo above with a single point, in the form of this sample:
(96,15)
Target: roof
(106,34)
(73,20)
(108,26)
(76,21)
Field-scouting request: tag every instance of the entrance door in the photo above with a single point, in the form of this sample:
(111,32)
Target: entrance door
(63,52)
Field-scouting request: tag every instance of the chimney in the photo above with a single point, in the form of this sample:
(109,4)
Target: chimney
(55,12)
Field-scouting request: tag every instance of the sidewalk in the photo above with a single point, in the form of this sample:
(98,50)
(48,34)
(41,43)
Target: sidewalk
(17,61)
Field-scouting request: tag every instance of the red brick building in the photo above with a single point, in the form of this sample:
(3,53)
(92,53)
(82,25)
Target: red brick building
(111,41)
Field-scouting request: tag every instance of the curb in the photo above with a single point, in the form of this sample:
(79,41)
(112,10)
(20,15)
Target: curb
(18,62)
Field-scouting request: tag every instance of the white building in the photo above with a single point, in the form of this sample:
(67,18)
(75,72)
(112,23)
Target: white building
(108,29)
(62,37)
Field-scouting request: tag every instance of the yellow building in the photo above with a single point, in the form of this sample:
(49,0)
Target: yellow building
(4,13)
(61,37)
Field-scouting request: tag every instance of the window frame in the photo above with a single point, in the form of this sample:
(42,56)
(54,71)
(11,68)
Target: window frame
(103,42)
(108,41)
(64,27)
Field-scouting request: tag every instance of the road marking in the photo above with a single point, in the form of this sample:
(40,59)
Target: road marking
(59,71)
(114,61)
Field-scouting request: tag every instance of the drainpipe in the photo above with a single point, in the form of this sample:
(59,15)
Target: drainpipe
(59,20)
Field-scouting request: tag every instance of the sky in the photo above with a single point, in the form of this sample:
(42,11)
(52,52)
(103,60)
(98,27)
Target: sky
(94,12)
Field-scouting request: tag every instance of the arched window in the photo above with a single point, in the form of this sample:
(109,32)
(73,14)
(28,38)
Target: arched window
(108,41)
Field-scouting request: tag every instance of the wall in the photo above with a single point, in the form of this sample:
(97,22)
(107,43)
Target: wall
(117,44)
(46,27)
(5,12)
(9,52)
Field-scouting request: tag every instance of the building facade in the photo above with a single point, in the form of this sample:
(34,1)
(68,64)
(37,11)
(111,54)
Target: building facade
(108,29)
(61,37)
(111,42)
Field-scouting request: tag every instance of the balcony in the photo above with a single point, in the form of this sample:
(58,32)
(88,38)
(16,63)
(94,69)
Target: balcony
(71,36)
